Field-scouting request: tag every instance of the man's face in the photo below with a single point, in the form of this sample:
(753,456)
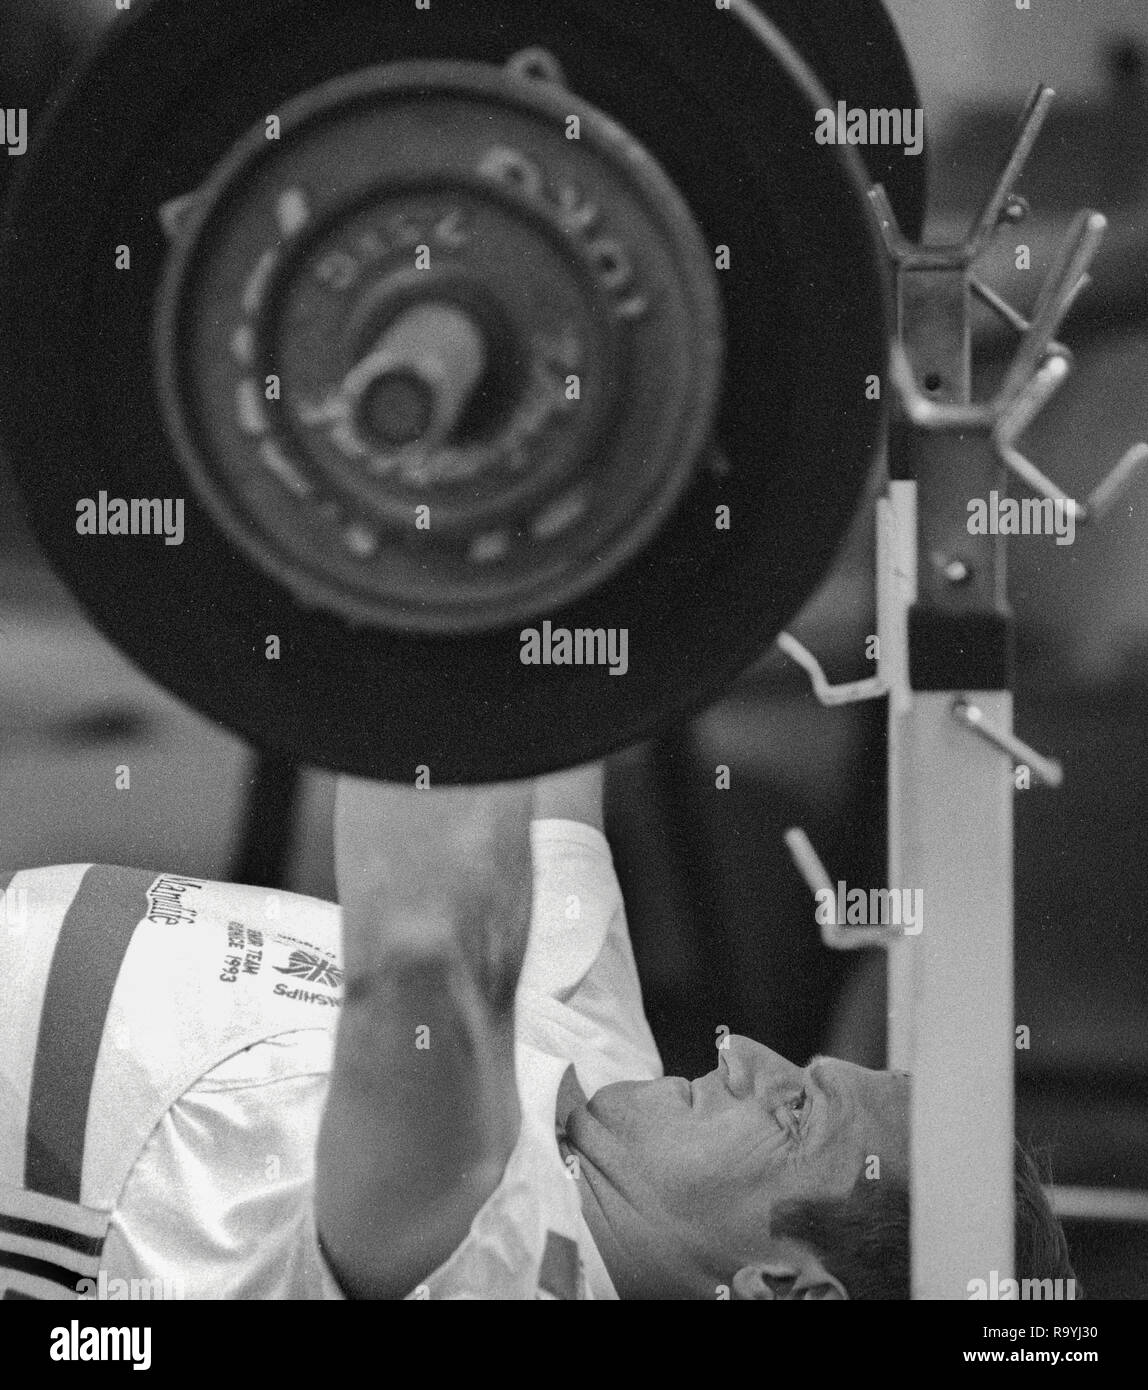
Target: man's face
(713,1156)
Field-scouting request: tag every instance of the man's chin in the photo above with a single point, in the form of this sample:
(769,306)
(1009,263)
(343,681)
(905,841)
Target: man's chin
(620,1104)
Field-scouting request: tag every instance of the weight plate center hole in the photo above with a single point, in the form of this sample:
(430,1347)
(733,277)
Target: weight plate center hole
(397,409)
(437,375)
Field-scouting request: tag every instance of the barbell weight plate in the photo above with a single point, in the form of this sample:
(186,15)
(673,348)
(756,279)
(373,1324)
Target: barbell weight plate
(728,113)
(574,265)
(858,58)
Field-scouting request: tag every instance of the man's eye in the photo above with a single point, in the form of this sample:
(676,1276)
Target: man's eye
(791,1113)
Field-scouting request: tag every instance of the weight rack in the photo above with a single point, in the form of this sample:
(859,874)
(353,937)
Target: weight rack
(946,664)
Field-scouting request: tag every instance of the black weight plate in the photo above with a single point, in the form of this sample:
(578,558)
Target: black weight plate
(246,295)
(857,55)
(730,118)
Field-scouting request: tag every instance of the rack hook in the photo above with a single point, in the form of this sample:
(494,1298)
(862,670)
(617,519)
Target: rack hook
(850,693)
(836,937)
(1046,770)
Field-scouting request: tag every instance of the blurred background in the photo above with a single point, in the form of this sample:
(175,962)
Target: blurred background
(723,928)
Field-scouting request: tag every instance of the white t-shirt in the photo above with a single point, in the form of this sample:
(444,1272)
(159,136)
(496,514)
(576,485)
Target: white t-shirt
(165,1047)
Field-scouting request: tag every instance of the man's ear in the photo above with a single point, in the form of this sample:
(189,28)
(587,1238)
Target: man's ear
(787,1270)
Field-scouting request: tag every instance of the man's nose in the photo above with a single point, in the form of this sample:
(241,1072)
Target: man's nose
(753,1067)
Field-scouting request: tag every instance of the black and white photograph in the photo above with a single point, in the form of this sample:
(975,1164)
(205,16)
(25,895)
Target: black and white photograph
(573,667)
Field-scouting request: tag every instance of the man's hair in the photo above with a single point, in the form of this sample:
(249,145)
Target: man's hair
(863,1239)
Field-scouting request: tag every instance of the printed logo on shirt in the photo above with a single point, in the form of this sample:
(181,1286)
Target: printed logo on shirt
(245,953)
(165,901)
(314,969)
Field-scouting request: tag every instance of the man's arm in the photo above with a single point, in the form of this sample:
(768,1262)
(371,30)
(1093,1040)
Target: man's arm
(575,795)
(422,1113)
(586,960)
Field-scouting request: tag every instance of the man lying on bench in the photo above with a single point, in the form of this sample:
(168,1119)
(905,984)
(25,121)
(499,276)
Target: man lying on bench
(461,1098)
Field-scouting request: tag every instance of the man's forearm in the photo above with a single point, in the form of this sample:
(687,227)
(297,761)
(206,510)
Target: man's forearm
(421,1119)
(574,795)
(422,1112)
